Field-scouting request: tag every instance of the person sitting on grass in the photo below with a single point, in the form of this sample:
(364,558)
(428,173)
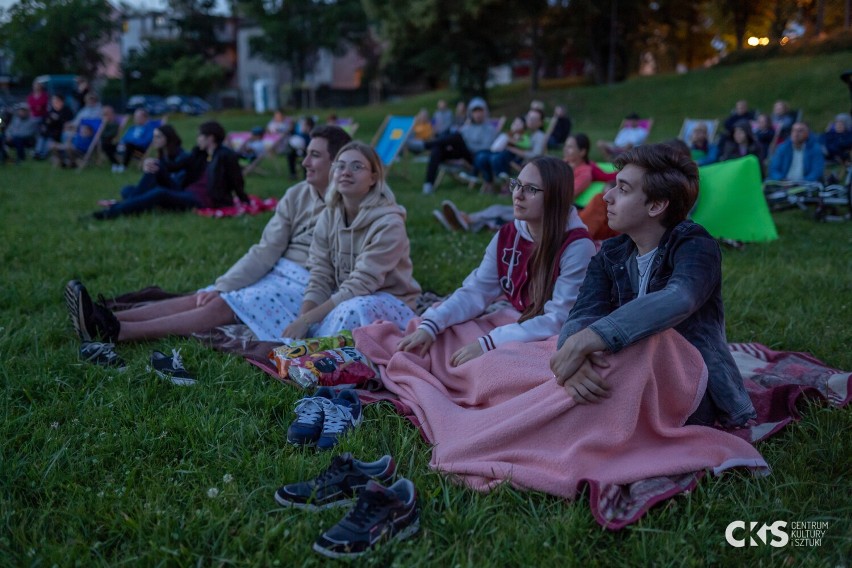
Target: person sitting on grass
(663,272)
(21,133)
(263,289)
(799,158)
(537,262)
(630,135)
(211,176)
(359,260)
(163,171)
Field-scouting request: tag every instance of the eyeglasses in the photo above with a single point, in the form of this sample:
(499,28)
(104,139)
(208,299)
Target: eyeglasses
(527,189)
(353,167)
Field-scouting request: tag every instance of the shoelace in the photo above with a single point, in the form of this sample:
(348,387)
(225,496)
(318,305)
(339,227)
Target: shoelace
(177,363)
(368,509)
(310,408)
(337,418)
(102,349)
(338,466)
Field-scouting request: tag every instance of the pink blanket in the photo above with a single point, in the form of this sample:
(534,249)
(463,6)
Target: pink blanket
(502,418)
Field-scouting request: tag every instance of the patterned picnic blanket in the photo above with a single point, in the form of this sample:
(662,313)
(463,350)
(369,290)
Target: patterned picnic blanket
(777,381)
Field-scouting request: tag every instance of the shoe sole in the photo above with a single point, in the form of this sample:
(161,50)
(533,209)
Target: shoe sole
(405,533)
(311,507)
(443,220)
(174,380)
(75,309)
(453,216)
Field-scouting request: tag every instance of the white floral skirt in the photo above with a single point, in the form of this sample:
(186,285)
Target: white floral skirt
(361,311)
(269,305)
(272,303)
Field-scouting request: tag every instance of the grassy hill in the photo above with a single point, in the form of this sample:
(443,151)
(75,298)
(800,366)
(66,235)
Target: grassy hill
(100,468)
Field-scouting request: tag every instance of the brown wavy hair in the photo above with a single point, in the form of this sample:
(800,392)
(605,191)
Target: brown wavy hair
(557,180)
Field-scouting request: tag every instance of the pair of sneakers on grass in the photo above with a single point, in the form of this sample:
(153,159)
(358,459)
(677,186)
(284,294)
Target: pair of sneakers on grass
(97,328)
(382,511)
(322,419)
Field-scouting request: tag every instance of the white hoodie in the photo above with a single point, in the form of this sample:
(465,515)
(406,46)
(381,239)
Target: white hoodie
(482,287)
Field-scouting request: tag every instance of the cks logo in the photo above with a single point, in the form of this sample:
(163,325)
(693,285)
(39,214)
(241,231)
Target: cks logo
(772,534)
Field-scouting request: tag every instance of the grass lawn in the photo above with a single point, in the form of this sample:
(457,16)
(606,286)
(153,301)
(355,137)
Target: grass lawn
(101,468)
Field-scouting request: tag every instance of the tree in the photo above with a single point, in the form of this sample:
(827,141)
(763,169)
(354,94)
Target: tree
(57,36)
(296,30)
(442,39)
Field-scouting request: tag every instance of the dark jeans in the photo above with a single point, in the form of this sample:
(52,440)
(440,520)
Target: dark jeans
(110,149)
(449,147)
(146,184)
(492,164)
(151,199)
(130,150)
(20,144)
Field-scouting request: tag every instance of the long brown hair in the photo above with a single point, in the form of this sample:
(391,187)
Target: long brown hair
(557,180)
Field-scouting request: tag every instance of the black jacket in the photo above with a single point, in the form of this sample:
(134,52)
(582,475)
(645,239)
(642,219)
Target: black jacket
(224,174)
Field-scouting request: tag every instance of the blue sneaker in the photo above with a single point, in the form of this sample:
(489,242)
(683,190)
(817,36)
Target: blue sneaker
(342,416)
(310,411)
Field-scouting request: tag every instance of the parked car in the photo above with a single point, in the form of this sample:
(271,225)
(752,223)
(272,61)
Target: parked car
(188,104)
(154,104)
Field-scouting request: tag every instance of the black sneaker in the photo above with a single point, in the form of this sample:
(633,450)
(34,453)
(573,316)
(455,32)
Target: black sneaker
(91,321)
(380,514)
(344,479)
(306,429)
(171,368)
(102,354)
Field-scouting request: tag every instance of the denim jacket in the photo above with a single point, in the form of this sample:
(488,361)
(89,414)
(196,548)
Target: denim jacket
(684,292)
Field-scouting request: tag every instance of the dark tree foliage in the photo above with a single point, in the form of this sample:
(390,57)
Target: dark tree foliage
(57,36)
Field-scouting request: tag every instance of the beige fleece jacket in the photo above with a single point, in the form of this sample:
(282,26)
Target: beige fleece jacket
(289,234)
(371,255)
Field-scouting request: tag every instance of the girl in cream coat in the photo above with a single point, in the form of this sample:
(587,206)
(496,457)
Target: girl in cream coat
(359,260)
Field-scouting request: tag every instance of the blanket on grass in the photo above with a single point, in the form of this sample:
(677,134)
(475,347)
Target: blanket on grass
(255,206)
(776,381)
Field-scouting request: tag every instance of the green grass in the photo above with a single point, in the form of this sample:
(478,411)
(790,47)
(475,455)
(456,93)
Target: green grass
(99,468)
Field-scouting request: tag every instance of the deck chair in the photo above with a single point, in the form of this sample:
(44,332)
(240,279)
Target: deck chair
(93,147)
(348,125)
(236,140)
(67,151)
(390,138)
(690,123)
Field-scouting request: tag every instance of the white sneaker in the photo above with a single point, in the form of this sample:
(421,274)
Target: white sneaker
(468,178)
(428,189)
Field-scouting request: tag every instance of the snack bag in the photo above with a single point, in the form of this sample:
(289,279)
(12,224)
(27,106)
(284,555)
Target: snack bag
(302,347)
(345,366)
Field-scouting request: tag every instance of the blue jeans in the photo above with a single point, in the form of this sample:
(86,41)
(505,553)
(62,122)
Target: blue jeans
(151,199)
(146,184)
(491,164)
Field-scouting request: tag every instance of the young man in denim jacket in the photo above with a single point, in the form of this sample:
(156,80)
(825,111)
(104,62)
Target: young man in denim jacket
(662,272)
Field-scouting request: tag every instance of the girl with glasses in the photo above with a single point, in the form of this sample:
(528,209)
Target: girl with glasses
(536,263)
(359,259)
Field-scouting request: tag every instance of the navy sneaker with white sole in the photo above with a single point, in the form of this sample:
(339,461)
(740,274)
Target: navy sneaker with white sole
(341,482)
(344,415)
(381,514)
(306,429)
(101,354)
(171,368)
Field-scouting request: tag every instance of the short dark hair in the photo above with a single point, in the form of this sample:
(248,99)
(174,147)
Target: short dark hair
(670,175)
(334,136)
(214,129)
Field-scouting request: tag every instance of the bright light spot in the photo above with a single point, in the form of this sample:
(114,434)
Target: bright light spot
(764,41)
(785,40)
(753,41)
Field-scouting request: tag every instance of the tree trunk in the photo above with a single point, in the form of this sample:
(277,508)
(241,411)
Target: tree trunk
(613,38)
(535,64)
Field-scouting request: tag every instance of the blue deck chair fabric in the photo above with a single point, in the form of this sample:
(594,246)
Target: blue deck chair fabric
(731,204)
(391,139)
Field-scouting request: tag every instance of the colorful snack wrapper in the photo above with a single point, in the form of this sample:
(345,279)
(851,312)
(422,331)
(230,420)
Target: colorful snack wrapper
(345,366)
